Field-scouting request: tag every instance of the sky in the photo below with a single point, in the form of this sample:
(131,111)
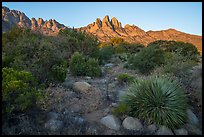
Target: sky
(182,16)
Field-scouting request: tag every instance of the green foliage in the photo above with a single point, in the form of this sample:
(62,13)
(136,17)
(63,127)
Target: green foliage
(79,66)
(121,109)
(188,50)
(92,68)
(158,100)
(125,78)
(19,91)
(105,53)
(59,71)
(46,57)
(177,66)
(82,42)
(147,59)
(123,56)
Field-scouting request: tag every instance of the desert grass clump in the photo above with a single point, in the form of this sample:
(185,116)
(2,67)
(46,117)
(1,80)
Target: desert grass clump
(125,78)
(157,99)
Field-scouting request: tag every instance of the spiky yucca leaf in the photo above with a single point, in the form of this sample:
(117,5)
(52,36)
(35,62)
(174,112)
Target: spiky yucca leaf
(159,100)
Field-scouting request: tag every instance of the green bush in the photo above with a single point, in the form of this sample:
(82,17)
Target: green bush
(19,91)
(187,50)
(147,59)
(157,100)
(77,64)
(80,66)
(92,68)
(45,56)
(120,110)
(125,78)
(123,56)
(59,71)
(105,54)
(177,66)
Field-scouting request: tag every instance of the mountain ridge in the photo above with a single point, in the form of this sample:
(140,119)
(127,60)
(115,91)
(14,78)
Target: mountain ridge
(104,29)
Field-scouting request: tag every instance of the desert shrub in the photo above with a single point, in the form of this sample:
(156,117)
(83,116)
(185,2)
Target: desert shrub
(157,100)
(123,56)
(45,56)
(59,71)
(115,41)
(133,48)
(83,43)
(19,91)
(121,109)
(177,66)
(147,59)
(80,66)
(125,78)
(92,68)
(105,54)
(187,50)
(77,64)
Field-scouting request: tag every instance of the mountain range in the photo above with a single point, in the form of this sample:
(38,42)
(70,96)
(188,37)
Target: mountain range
(104,29)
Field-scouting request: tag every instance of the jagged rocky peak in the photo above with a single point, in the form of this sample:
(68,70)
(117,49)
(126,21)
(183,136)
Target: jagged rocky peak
(106,22)
(34,23)
(40,22)
(98,22)
(116,23)
(14,17)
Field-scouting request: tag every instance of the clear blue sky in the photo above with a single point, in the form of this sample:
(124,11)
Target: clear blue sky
(183,16)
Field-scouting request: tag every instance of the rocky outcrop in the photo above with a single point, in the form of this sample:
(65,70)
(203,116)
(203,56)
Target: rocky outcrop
(111,122)
(14,17)
(106,29)
(132,123)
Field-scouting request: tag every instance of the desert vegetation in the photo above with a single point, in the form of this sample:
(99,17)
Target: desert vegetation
(74,72)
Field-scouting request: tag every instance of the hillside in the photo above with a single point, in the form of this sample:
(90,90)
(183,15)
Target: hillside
(106,29)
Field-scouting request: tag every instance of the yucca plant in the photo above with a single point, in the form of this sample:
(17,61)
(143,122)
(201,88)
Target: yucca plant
(159,100)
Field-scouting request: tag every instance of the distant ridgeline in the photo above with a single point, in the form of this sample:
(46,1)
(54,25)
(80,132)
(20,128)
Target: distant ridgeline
(104,30)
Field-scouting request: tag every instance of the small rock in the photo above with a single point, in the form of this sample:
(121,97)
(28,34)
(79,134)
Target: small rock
(111,122)
(88,78)
(151,128)
(192,119)
(132,123)
(109,65)
(114,104)
(181,131)
(67,84)
(192,129)
(53,115)
(81,87)
(54,125)
(75,108)
(164,131)
(120,94)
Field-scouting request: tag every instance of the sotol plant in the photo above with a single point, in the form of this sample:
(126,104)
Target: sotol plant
(158,100)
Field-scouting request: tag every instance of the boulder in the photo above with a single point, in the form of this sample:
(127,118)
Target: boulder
(132,123)
(81,87)
(164,131)
(111,122)
(109,65)
(53,115)
(193,130)
(151,128)
(181,131)
(192,119)
(54,125)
